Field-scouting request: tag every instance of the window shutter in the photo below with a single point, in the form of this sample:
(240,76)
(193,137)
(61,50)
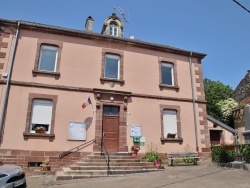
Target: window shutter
(41,112)
(169,122)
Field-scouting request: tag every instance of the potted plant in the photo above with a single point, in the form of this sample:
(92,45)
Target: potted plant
(40,129)
(159,159)
(134,150)
(171,135)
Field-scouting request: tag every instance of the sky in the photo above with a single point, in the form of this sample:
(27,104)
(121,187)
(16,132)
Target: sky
(218,28)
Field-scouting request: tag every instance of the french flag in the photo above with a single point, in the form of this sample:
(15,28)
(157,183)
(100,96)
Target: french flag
(88,102)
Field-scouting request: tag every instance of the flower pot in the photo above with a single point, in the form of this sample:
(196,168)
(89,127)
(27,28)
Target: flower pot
(229,148)
(157,163)
(134,153)
(171,135)
(40,131)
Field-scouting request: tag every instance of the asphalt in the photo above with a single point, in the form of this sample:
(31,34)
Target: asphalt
(204,175)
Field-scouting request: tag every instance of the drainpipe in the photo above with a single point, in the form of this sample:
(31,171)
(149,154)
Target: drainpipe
(193,99)
(7,88)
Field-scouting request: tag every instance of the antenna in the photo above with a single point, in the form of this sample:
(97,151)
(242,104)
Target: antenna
(123,14)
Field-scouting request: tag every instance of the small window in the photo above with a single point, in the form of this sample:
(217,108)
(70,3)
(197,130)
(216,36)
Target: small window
(167,74)
(111,110)
(169,123)
(41,115)
(113,30)
(48,58)
(112,67)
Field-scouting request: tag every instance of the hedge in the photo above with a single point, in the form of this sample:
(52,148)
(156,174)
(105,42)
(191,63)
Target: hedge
(221,156)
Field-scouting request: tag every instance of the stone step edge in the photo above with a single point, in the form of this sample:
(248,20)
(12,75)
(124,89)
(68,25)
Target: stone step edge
(68,170)
(91,168)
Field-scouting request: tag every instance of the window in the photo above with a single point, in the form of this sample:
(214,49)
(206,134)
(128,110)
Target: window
(111,110)
(169,123)
(48,58)
(113,30)
(167,77)
(112,67)
(41,115)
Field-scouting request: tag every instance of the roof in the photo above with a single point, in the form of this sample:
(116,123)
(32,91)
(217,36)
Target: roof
(87,33)
(221,124)
(242,104)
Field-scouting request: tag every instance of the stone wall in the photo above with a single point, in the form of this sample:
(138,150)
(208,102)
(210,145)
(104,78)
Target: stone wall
(23,157)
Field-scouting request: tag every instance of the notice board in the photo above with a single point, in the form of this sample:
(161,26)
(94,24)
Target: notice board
(77,131)
(135,130)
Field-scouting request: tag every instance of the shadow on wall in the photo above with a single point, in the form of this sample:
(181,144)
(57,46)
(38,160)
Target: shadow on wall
(88,122)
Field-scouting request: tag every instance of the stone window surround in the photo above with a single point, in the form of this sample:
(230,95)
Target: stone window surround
(178,110)
(48,42)
(174,63)
(33,96)
(116,53)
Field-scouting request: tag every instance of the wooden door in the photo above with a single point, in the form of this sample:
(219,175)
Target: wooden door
(111,133)
(215,137)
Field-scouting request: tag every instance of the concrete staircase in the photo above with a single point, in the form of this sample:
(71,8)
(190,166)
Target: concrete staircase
(95,166)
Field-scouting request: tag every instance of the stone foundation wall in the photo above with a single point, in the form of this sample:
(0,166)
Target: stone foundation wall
(23,157)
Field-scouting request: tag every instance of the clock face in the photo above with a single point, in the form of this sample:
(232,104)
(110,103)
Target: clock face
(111,98)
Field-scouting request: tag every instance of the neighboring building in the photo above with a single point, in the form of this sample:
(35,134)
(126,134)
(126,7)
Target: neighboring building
(241,113)
(220,132)
(129,82)
(242,91)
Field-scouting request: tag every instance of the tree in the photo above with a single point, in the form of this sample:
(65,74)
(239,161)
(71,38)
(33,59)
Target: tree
(225,107)
(215,92)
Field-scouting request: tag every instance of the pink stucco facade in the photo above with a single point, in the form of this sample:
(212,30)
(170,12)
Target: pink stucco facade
(139,95)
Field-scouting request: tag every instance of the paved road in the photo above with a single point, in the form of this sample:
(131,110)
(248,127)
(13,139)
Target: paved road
(204,175)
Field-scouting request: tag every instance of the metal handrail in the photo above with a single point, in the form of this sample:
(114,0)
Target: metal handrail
(107,160)
(77,148)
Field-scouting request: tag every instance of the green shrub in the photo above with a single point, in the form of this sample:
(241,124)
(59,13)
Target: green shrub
(151,156)
(188,159)
(246,153)
(221,156)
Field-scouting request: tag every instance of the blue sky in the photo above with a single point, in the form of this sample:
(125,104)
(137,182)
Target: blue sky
(219,28)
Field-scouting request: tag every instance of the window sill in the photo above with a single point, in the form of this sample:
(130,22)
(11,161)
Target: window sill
(28,135)
(103,80)
(167,140)
(162,86)
(46,73)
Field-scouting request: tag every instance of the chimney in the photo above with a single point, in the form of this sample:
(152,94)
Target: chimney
(89,24)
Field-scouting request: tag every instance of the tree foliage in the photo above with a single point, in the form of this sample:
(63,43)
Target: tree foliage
(215,92)
(225,107)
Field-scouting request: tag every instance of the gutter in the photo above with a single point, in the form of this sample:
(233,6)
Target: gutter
(193,100)
(7,88)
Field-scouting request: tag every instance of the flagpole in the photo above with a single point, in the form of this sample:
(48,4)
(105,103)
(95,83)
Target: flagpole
(92,106)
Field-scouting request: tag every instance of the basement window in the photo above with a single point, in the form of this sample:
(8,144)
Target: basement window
(34,164)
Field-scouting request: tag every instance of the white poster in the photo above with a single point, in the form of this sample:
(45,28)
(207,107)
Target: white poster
(135,130)
(77,131)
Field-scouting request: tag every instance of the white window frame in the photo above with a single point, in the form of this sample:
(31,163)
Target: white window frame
(112,28)
(50,48)
(48,112)
(118,62)
(169,122)
(168,65)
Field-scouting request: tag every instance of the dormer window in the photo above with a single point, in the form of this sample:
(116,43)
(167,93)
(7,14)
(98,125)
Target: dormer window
(113,26)
(113,29)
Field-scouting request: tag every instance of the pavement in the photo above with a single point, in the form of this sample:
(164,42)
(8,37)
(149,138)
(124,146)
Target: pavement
(204,175)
